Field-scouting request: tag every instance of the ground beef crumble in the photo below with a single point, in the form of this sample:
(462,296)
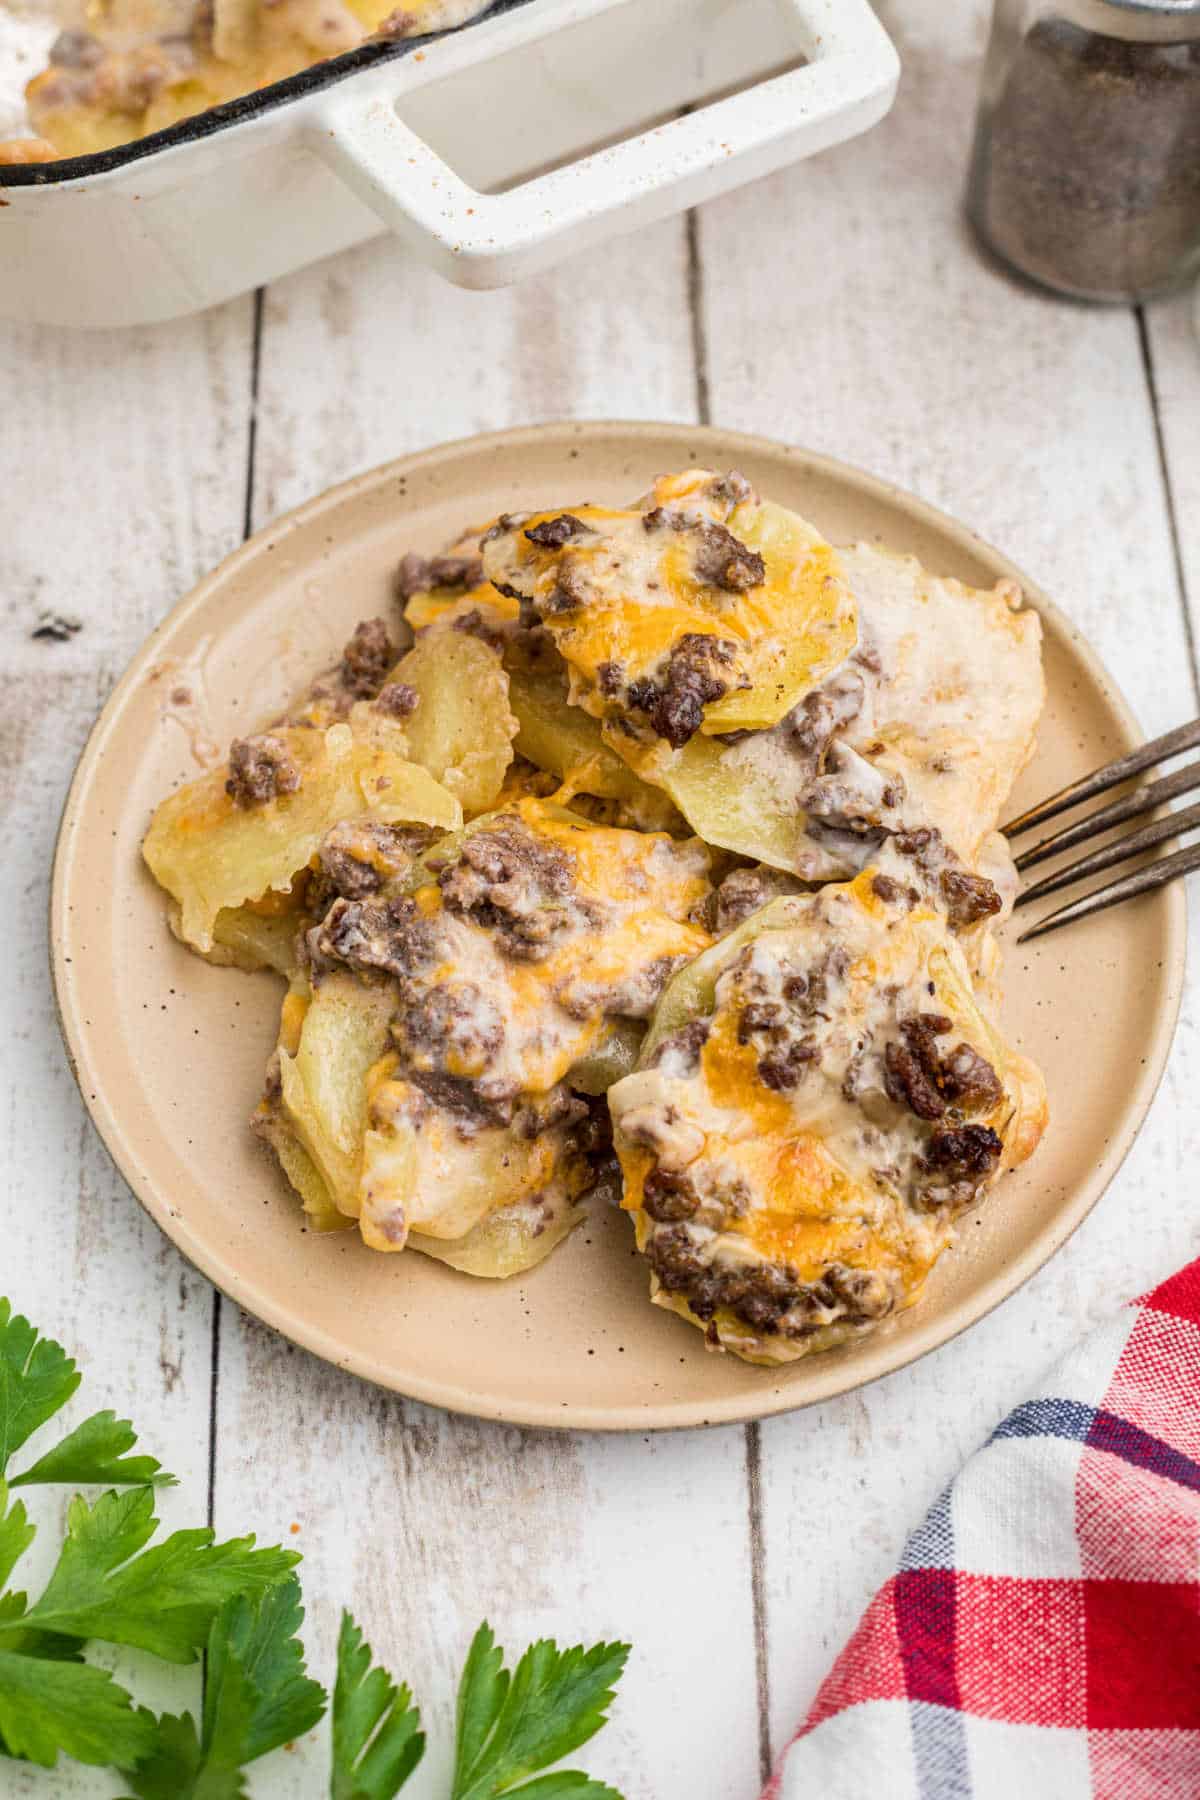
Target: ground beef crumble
(780,1026)
(957,1162)
(907,1083)
(698,671)
(552,534)
(358,857)
(506,522)
(852,795)
(417,574)
(722,560)
(744,891)
(443,1024)
(718,558)
(768,1297)
(366,660)
(928,1083)
(680,1051)
(397,700)
(827,710)
(668,1197)
(261,769)
(386,937)
(474,1108)
(967,897)
(476,624)
(892,892)
(571,590)
(730,491)
(508,881)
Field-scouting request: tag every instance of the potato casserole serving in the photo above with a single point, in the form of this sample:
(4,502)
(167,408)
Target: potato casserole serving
(663,864)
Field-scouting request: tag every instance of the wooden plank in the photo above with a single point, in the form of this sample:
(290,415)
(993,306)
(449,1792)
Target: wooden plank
(845,310)
(421,1522)
(372,355)
(1173,343)
(124,472)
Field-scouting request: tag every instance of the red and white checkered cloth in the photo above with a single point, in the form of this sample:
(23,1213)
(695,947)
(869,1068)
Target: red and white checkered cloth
(1041,1638)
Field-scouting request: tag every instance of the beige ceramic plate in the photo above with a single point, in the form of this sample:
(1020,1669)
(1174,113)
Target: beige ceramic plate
(169,1052)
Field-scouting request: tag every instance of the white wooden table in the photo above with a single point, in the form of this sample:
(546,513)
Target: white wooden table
(838,305)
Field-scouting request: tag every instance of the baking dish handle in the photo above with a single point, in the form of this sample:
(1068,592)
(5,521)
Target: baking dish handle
(483,240)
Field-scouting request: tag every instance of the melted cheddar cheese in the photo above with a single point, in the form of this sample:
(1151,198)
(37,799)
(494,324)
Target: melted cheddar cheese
(639,893)
(516,1028)
(627,588)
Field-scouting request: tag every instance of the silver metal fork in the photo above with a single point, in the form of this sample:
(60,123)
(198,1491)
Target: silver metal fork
(1143,799)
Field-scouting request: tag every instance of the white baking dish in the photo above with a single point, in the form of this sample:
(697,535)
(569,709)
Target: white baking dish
(491,151)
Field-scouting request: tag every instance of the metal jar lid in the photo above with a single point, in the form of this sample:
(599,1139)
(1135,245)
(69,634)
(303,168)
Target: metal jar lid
(1139,21)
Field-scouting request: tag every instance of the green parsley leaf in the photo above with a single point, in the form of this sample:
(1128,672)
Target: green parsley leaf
(45,1644)
(481,1693)
(34,1643)
(163,1600)
(565,1784)
(254,1649)
(256,1698)
(16,1534)
(37,1378)
(93,1455)
(12,1606)
(555,1701)
(370,1763)
(48,1707)
(170,1770)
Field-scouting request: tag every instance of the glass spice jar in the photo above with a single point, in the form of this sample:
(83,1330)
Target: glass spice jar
(1086,169)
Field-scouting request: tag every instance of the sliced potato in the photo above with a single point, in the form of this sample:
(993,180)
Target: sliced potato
(727,796)
(302,1172)
(247,940)
(325,1079)
(419,1171)
(803,620)
(525,781)
(421,1174)
(691,993)
(568,742)
(270,1124)
(614,1056)
(261,934)
(506,1243)
(462,731)
(212,855)
(328,1045)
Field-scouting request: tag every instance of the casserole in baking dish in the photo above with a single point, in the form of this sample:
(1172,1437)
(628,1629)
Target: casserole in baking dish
(492,150)
(120,70)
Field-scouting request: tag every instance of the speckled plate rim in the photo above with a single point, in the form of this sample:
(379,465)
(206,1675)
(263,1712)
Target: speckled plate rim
(825,1377)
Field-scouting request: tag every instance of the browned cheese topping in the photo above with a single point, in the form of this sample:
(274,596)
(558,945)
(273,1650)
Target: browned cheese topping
(797,1151)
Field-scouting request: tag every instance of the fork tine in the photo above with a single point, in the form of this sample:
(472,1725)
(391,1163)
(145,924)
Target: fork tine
(1174,825)
(1130,806)
(1184,737)
(1141,881)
